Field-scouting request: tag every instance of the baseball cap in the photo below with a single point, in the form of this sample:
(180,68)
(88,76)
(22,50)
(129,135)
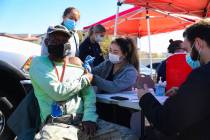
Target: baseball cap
(58,28)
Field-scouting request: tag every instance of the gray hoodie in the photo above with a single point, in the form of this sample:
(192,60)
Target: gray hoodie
(123,79)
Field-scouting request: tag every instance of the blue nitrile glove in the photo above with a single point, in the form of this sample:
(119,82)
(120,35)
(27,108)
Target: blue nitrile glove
(88,61)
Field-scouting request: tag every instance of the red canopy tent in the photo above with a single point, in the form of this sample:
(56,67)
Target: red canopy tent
(199,8)
(139,21)
(132,22)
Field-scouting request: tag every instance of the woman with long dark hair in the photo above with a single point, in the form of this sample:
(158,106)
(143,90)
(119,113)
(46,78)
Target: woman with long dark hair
(120,71)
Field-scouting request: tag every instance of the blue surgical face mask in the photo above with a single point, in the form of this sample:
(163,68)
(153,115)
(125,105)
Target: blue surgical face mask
(70,24)
(193,64)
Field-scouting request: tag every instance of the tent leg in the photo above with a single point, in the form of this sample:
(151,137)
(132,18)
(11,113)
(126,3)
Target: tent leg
(149,41)
(207,9)
(139,50)
(119,3)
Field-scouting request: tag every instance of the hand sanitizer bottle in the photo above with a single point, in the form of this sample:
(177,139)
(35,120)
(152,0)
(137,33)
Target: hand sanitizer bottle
(160,88)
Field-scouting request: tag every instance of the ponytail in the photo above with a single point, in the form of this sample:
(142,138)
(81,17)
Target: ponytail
(90,32)
(174,45)
(133,56)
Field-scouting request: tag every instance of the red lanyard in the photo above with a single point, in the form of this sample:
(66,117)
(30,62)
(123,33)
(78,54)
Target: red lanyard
(63,71)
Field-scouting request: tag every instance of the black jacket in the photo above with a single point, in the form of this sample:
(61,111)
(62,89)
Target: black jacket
(161,71)
(25,121)
(88,48)
(187,114)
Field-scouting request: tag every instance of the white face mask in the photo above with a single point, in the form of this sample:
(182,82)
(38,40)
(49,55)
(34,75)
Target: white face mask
(99,38)
(114,58)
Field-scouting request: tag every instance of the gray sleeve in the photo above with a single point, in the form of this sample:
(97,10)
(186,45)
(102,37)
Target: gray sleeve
(99,70)
(124,81)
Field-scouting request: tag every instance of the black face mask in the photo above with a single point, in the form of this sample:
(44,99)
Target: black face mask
(59,51)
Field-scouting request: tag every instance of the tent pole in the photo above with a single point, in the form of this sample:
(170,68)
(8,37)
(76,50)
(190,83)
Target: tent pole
(149,41)
(119,3)
(207,9)
(139,50)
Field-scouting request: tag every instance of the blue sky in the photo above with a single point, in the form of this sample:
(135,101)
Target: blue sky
(34,16)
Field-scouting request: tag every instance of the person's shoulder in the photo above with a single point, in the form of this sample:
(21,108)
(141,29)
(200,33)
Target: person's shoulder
(130,67)
(85,42)
(104,65)
(39,62)
(39,59)
(164,62)
(75,61)
(106,62)
(206,66)
(205,69)
(74,34)
(83,45)
(201,73)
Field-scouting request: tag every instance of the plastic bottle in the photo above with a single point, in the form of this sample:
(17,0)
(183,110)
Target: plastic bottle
(88,61)
(160,88)
(56,110)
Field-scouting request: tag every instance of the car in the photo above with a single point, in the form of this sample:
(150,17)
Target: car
(145,70)
(17,52)
(15,57)
(154,65)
